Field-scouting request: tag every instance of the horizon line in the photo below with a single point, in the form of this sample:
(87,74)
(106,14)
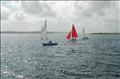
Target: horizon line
(51,32)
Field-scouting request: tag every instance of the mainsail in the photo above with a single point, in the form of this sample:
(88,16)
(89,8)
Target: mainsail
(72,34)
(44,31)
(41,32)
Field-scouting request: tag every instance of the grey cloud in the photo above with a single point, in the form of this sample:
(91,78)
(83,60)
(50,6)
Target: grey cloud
(39,9)
(96,8)
(4,17)
(112,25)
(8,9)
(31,7)
(19,16)
(103,14)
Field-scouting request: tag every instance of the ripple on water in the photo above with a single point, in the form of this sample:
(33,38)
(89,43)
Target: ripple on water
(26,58)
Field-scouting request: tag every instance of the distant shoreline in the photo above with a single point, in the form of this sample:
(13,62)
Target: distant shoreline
(38,32)
(30,32)
(106,33)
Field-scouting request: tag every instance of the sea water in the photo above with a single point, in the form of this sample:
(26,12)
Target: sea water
(24,57)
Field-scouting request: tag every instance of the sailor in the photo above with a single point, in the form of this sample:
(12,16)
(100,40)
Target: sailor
(50,41)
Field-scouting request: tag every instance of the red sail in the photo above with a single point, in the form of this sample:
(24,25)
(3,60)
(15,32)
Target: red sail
(74,33)
(69,35)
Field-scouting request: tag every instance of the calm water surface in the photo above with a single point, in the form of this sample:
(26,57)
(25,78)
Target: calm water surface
(24,57)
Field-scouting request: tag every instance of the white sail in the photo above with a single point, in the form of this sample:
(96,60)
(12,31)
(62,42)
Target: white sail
(41,33)
(44,31)
(84,36)
(45,41)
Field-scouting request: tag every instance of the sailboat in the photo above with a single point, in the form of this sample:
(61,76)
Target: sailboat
(72,35)
(84,37)
(44,38)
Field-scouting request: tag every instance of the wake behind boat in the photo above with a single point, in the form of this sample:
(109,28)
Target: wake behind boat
(44,37)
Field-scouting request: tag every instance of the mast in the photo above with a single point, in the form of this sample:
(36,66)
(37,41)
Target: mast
(83,32)
(45,28)
(42,33)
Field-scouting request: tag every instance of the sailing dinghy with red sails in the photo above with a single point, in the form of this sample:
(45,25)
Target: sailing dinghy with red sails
(72,35)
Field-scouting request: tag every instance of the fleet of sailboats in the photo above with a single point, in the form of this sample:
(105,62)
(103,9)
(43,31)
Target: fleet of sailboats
(72,35)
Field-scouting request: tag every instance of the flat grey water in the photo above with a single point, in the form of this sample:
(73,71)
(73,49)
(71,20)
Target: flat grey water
(24,57)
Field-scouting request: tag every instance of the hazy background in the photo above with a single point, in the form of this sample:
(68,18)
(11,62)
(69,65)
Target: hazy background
(96,16)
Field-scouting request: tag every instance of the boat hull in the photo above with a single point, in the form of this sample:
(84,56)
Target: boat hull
(85,38)
(49,44)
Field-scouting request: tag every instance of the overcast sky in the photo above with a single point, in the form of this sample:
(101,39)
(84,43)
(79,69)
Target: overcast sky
(95,16)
